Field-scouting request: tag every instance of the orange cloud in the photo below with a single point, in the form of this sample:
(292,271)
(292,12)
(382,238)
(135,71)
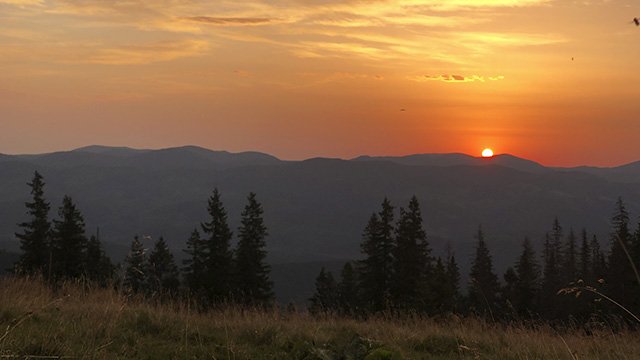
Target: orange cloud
(22,2)
(453,78)
(229,20)
(149,53)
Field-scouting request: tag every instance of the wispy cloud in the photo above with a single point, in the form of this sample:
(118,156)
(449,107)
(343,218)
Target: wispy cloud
(403,31)
(454,78)
(449,5)
(22,2)
(149,53)
(237,21)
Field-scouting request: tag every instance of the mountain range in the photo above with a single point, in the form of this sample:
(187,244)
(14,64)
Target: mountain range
(316,209)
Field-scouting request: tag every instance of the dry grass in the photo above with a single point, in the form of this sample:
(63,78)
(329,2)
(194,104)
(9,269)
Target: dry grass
(103,324)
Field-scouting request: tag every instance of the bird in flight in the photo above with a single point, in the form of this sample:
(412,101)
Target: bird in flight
(636,21)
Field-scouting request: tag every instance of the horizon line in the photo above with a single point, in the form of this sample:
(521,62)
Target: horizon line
(80,148)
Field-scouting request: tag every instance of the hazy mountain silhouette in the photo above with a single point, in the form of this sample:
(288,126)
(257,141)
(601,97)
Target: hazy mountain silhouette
(457,159)
(628,173)
(178,157)
(111,150)
(316,209)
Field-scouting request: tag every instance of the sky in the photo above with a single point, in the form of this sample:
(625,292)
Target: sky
(554,81)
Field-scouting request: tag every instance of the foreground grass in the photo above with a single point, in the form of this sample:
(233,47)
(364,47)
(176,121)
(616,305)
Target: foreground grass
(102,324)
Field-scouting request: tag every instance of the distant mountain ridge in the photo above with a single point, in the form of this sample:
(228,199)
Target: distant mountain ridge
(222,156)
(316,209)
(458,159)
(189,156)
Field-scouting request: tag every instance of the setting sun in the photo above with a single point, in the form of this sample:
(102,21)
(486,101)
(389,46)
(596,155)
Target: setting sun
(487,153)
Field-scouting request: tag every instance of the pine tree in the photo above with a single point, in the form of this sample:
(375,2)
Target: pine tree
(98,266)
(585,265)
(387,243)
(35,236)
(411,259)
(569,258)
(325,299)
(68,243)
(162,274)
(598,260)
(567,306)
(252,273)
(583,306)
(218,261)
(552,280)
(528,278)
(370,275)
(194,266)
(136,268)
(635,256)
(620,277)
(348,291)
(376,269)
(635,248)
(483,287)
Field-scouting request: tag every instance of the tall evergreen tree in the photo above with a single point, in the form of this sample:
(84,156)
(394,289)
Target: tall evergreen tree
(585,265)
(370,275)
(68,243)
(528,281)
(635,248)
(620,277)
(376,269)
(411,259)
(635,256)
(136,268)
(252,273)
(35,236)
(325,299)
(162,274)
(569,266)
(98,266)
(583,306)
(483,286)
(218,261)
(552,280)
(194,266)
(348,299)
(387,243)
(598,260)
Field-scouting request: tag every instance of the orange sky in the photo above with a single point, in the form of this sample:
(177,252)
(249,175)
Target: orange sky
(305,78)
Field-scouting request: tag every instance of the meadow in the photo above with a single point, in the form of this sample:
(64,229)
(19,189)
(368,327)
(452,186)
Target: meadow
(77,321)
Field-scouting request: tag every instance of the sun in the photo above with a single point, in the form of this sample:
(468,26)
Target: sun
(487,153)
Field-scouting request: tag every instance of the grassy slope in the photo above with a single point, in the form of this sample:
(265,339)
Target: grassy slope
(102,324)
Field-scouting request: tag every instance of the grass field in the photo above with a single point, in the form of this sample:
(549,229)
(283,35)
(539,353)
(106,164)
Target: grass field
(75,322)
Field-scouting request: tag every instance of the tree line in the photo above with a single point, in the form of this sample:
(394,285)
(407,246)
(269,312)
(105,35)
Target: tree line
(398,274)
(212,272)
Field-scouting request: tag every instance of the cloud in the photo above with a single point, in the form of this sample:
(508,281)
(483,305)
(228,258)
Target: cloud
(440,32)
(507,39)
(454,78)
(449,5)
(149,53)
(237,21)
(22,2)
